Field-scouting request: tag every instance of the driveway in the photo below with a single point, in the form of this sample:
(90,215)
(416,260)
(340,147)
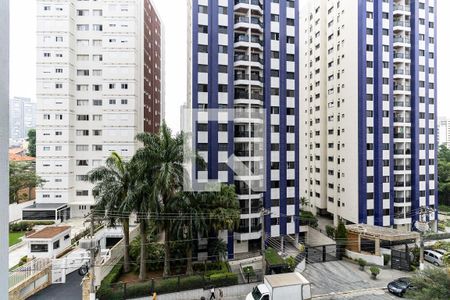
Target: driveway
(344,278)
(71,290)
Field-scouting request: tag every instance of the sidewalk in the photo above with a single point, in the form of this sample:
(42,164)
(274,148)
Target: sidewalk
(236,292)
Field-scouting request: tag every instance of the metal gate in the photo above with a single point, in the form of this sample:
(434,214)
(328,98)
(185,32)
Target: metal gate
(319,254)
(400,260)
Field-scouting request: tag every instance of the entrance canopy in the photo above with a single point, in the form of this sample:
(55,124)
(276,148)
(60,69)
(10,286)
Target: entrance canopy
(363,232)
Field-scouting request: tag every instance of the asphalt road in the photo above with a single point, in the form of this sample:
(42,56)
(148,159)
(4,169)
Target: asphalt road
(71,290)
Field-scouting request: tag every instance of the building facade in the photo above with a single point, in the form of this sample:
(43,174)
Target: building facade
(99,76)
(243,58)
(444,132)
(368,118)
(22,118)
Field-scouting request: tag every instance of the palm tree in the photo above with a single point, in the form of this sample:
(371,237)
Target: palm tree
(112,182)
(189,222)
(141,200)
(161,160)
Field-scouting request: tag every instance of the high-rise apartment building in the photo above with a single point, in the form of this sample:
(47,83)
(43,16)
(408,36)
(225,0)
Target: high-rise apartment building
(444,132)
(244,57)
(99,78)
(22,117)
(368,110)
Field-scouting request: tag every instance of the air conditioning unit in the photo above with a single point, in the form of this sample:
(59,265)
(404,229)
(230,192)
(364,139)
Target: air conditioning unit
(86,244)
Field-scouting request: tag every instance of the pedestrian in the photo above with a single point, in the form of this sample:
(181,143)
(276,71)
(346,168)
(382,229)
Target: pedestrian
(220,294)
(213,295)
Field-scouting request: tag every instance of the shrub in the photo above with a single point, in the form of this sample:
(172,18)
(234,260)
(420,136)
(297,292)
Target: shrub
(106,290)
(362,262)
(374,270)
(307,218)
(330,231)
(27,225)
(386,259)
(223,279)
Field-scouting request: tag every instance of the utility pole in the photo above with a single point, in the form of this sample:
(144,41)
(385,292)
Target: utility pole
(263,239)
(422,225)
(92,258)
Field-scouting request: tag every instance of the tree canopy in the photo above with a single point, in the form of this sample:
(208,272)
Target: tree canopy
(32,142)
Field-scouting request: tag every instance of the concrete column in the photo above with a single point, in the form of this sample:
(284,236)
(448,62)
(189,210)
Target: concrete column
(377,246)
(4,141)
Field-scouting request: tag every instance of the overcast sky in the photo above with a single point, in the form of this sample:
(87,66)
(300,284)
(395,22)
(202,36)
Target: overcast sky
(174,17)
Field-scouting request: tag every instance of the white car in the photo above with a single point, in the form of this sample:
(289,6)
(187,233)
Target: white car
(433,257)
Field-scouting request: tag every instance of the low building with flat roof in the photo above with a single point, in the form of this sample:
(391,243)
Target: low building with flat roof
(48,242)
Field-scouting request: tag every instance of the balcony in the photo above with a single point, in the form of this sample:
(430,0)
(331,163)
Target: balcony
(402,8)
(240,76)
(401,39)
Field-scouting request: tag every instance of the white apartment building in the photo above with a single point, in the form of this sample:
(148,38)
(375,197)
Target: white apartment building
(444,132)
(22,117)
(244,58)
(368,114)
(94,61)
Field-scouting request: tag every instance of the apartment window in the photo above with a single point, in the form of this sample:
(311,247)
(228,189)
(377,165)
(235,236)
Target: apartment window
(97,147)
(82,102)
(58,70)
(96,73)
(96,117)
(47,7)
(97,57)
(97,27)
(82,57)
(82,132)
(83,117)
(82,12)
(124,101)
(81,162)
(58,85)
(59,38)
(97,102)
(223,10)
(46,117)
(58,132)
(97,43)
(82,193)
(82,148)
(83,72)
(83,27)
(96,132)
(124,86)
(97,87)
(82,178)
(202,9)
(112,101)
(97,12)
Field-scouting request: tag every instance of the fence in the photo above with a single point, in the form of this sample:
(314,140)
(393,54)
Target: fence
(123,290)
(116,254)
(27,270)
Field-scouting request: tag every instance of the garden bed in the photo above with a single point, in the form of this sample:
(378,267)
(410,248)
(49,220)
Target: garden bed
(121,286)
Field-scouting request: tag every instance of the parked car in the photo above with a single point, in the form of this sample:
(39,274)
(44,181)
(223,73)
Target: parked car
(400,286)
(433,257)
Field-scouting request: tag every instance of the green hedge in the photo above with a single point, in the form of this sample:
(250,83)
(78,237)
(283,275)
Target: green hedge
(107,290)
(27,225)
(223,279)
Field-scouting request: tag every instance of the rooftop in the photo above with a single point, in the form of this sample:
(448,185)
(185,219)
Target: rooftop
(285,279)
(48,232)
(45,206)
(384,233)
